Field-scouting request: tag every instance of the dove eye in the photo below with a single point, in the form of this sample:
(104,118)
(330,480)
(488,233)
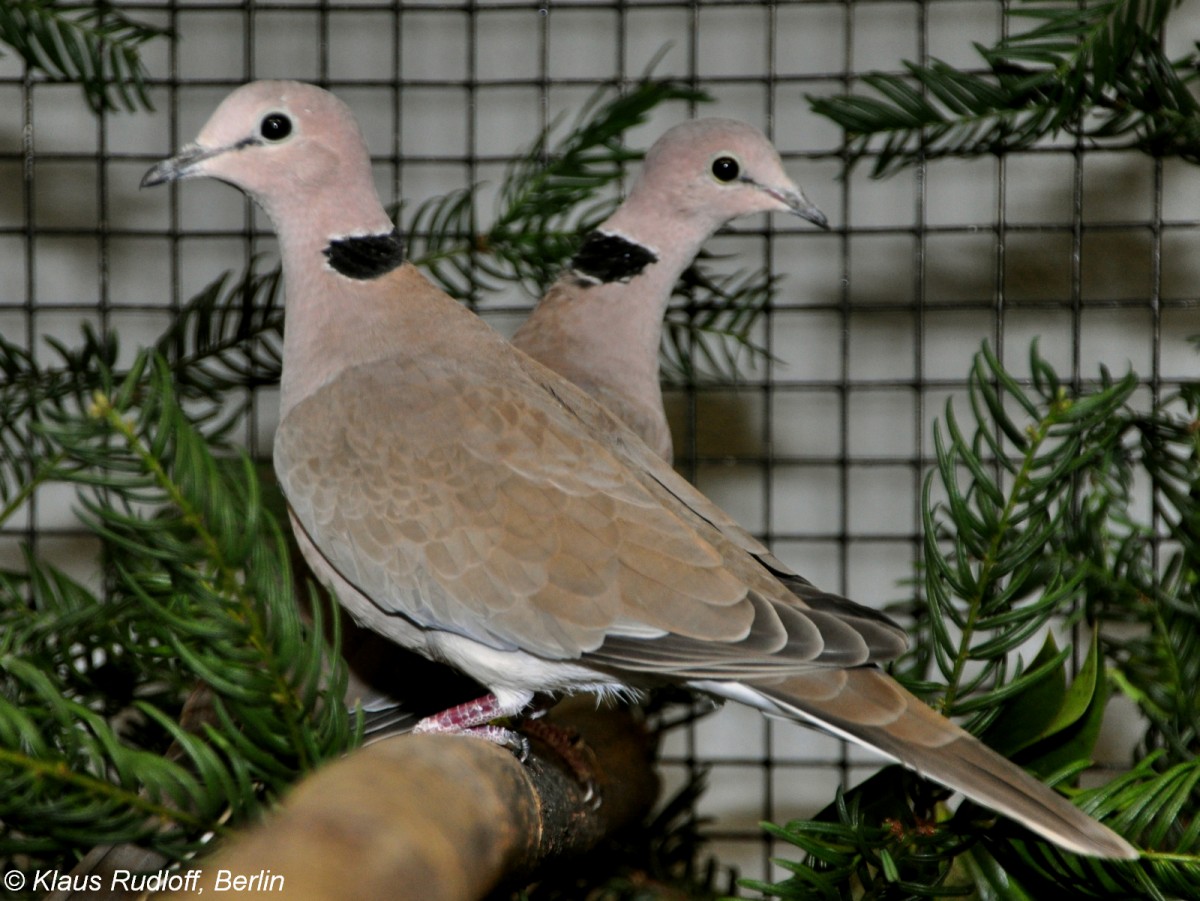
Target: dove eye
(275,127)
(725,168)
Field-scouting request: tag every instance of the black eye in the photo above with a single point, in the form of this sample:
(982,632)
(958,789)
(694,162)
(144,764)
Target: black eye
(275,127)
(725,168)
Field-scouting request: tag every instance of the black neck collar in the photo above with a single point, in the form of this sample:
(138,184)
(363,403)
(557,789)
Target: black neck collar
(604,257)
(365,257)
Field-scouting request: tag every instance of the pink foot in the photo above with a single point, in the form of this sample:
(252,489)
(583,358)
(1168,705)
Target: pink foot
(473,718)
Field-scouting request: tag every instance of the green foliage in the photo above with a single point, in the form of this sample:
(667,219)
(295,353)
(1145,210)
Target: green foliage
(224,339)
(225,342)
(1095,69)
(1048,722)
(1032,522)
(992,576)
(94,44)
(1155,586)
(870,843)
(197,595)
(1157,806)
(707,335)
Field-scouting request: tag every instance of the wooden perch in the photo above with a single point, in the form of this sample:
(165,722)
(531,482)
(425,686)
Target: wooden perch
(442,818)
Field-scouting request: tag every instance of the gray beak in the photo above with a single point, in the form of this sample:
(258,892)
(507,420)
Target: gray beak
(180,166)
(800,206)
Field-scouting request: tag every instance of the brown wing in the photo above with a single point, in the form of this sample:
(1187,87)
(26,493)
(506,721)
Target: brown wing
(476,503)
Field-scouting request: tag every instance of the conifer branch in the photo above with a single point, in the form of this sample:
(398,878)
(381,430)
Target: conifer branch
(1037,523)
(220,576)
(199,592)
(1009,487)
(94,44)
(710,328)
(1096,70)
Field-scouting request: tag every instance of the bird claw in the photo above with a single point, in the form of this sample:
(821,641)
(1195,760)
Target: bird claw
(591,795)
(571,749)
(515,742)
(519,745)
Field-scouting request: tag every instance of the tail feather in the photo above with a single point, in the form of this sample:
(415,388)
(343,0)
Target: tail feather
(868,707)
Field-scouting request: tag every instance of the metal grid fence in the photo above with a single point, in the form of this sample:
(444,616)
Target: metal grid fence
(820,449)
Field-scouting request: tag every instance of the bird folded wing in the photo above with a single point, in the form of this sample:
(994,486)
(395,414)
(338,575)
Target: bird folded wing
(884,639)
(472,504)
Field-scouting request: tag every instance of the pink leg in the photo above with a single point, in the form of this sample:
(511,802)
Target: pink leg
(473,718)
(464,716)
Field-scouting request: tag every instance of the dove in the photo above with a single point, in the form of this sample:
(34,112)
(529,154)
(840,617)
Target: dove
(600,323)
(471,504)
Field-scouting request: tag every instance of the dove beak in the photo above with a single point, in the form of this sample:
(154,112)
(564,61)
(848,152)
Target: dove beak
(185,164)
(799,205)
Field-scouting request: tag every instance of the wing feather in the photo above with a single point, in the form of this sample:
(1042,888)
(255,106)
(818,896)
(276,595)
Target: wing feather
(518,513)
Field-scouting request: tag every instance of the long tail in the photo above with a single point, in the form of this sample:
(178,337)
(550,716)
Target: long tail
(870,708)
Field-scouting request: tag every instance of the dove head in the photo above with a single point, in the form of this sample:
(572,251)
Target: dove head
(715,170)
(295,148)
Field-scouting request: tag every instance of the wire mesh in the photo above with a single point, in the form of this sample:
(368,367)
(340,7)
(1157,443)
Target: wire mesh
(821,448)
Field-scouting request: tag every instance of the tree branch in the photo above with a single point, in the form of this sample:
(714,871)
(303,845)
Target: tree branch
(455,816)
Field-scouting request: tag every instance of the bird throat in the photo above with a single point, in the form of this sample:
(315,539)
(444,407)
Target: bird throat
(605,257)
(365,257)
